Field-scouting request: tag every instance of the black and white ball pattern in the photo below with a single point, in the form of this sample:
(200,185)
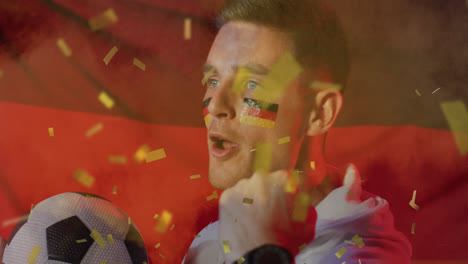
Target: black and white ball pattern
(61,226)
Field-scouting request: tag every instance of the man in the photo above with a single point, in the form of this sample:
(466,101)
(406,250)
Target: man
(248,118)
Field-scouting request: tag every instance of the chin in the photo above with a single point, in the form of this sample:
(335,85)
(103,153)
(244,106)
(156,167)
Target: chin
(222,179)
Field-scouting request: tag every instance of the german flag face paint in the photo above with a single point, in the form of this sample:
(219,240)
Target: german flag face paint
(206,113)
(259,113)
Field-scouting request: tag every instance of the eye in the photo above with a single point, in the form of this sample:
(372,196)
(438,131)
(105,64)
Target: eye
(252,85)
(212,83)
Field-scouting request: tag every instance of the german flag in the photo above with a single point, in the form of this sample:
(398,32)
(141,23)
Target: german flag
(206,113)
(259,113)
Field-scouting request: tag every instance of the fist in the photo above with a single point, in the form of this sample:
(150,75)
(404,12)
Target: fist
(258,211)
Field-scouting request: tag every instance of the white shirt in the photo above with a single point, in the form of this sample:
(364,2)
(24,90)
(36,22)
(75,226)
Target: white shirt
(340,216)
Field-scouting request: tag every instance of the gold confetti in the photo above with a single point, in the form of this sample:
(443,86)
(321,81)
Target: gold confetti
(118,159)
(103,20)
(64,47)
(312,165)
(247,200)
(212,196)
(106,100)
(226,246)
(293,182)
(98,238)
(96,128)
(285,70)
(263,155)
(12,221)
(157,245)
(156,216)
(340,252)
(81,241)
(172,227)
(241,260)
(141,153)
(164,222)
(351,194)
(358,240)
(283,140)
(144,262)
(102,262)
(114,190)
(235,219)
(129,221)
(239,84)
(110,238)
(301,207)
(51,131)
(110,55)
(457,117)
(316,85)
(417,92)
(195,176)
(161,255)
(139,64)
(412,203)
(208,75)
(155,155)
(84,178)
(350,242)
(187,28)
(302,247)
(33,255)
(412,228)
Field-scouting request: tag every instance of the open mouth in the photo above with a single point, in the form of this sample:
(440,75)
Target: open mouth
(222,148)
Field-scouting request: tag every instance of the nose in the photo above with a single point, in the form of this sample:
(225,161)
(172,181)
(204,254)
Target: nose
(223,103)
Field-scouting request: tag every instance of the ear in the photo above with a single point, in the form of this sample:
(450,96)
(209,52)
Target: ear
(328,103)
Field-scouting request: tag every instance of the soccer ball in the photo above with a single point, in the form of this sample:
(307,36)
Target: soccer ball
(75,228)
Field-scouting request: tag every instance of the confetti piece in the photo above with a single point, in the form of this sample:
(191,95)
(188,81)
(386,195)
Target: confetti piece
(110,55)
(102,262)
(358,240)
(51,131)
(340,252)
(214,195)
(208,75)
(84,178)
(285,70)
(110,238)
(302,247)
(417,92)
(118,159)
(12,221)
(195,176)
(412,228)
(412,203)
(359,261)
(157,245)
(172,227)
(114,190)
(141,153)
(98,238)
(235,219)
(106,100)
(301,207)
(96,128)
(155,155)
(187,28)
(316,85)
(350,242)
(283,140)
(263,155)
(139,64)
(64,47)
(156,216)
(312,165)
(351,194)
(252,150)
(81,241)
(161,255)
(239,84)
(164,222)
(457,117)
(33,255)
(129,221)
(247,200)
(293,182)
(241,260)
(226,246)
(103,20)
(436,90)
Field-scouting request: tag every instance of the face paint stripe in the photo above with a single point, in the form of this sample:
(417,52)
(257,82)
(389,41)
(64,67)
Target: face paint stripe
(255,121)
(255,112)
(261,104)
(206,102)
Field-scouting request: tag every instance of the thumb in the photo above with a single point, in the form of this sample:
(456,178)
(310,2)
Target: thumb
(2,248)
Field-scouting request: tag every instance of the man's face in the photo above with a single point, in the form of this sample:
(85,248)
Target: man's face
(230,142)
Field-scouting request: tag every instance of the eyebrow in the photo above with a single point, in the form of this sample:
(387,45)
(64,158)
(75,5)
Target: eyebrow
(257,69)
